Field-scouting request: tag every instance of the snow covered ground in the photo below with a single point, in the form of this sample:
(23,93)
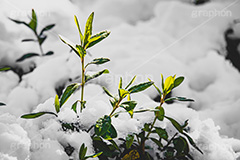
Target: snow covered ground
(148,37)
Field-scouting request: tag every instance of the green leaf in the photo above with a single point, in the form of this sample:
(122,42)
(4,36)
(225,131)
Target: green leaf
(42,39)
(140,87)
(160,93)
(26,56)
(181,145)
(129,106)
(68,92)
(81,51)
(120,83)
(98,61)
(57,104)
(160,114)
(178,81)
(131,82)
(79,30)
(19,22)
(157,142)
(33,22)
(88,30)
(2,104)
(47,28)
(4,69)
(35,115)
(74,106)
(175,124)
(88,77)
(49,53)
(97,38)
(162,133)
(129,141)
(192,142)
(82,152)
(94,155)
(162,82)
(102,125)
(110,134)
(146,110)
(122,93)
(114,144)
(147,127)
(113,101)
(70,44)
(107,92)
(28,40)
(179,99)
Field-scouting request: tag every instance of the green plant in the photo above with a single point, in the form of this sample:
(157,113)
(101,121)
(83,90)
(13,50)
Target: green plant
(103,133)
(1,70)
(177,146)
(40,38)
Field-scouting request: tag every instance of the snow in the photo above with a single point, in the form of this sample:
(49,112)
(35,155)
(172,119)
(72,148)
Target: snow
(147,38)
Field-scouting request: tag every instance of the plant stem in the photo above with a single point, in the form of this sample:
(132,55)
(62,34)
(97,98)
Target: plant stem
(115,107)
(83,80)
(40,46)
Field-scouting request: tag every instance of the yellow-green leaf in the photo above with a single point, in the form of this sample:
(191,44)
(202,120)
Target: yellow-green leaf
(79,30)
(88,30)
(57,104)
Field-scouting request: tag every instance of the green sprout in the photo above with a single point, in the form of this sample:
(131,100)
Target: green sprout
(40,37)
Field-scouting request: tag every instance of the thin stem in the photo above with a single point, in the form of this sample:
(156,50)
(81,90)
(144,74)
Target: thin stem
(115,107)
(83,79)
(40,46)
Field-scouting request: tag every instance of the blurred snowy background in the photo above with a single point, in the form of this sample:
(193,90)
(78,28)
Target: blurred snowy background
(148,37)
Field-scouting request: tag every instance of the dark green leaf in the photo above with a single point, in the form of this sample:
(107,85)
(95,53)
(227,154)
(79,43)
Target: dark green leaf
(88,78)
(162,82)
(147,127)
(162,133)
(35,115)
(181,145)
(28,40)
(19,22)
(70,44)
(57,104)
(88,30)
(4,69)
(97,38)
(178,81)
(129,141)
(140,87)
(33,22)
(114,144)
(131,82)
(79,30)
(2,104)
(107,92)
(129,106)
(110,134)
(160,93)
(68,92)
(47,28)
(185,124)
(179,99)
(26,56)
(42,39)
(175,124)
(98,61)
(113,101)
(74,106)
(160,114)
(82,152)
(192,142)
(49,53)
(102,125)
(157,142)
